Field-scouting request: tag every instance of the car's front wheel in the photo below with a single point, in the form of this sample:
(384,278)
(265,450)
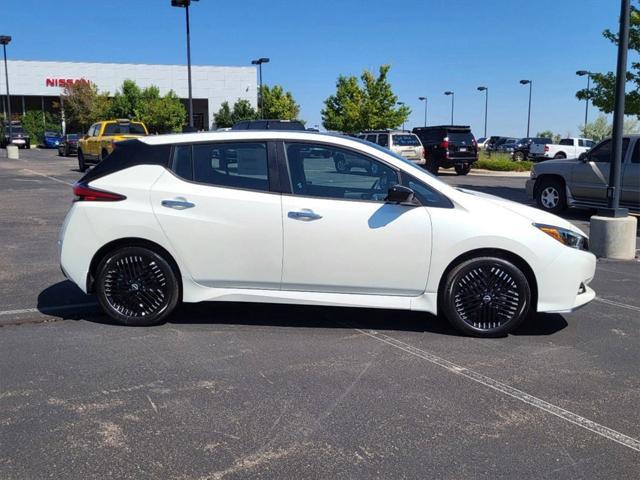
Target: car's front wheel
(136,286)
(486,297)
(551,195)
(519,156)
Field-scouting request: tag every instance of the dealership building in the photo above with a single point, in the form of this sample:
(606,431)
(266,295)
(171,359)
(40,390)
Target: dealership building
(38,85)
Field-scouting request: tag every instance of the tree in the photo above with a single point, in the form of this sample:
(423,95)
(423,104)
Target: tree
(161,114)
(83,105)
(602,94)
(278,104)
(373,105)
(126,103)
(242,110)
(35,123)
(600,129)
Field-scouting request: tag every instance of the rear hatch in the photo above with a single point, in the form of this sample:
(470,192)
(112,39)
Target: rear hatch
(408,145)
(461,144)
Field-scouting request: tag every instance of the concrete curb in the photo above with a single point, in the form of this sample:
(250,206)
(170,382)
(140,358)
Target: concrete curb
(491,173)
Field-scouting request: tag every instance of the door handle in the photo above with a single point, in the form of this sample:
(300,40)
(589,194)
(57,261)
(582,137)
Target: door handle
(177,204)
(304,214)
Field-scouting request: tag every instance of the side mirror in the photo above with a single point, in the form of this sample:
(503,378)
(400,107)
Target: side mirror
(400,194)
(584,158)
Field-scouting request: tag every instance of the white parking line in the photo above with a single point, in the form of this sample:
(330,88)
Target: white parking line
(47,176)
(617,304)
(45,310)
(505,389)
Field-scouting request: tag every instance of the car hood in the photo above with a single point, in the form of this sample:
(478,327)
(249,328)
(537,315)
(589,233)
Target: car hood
(534,215)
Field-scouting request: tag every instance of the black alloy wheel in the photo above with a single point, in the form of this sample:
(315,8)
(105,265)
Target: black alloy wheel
(81,165)
(136,286)
(519,156)
(486,297)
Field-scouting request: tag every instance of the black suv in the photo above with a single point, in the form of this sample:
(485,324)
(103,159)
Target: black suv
(19,137)
(448,146)
(521,147)
(268,125)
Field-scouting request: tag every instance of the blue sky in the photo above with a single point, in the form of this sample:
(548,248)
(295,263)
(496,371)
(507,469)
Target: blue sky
(432,46)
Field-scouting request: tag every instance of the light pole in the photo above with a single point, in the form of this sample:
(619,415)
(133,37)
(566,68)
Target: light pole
(530,83)
(424,99)
(453,95)
(4,41)
(259,62)
(486,106)
(401,103)
(582,73)
(185,4)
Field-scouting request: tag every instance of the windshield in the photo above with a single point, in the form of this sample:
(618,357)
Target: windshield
(465,138)
(405,140)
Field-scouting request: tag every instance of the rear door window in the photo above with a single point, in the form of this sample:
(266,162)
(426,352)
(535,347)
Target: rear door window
(371,138)
(566,141)
(383,139)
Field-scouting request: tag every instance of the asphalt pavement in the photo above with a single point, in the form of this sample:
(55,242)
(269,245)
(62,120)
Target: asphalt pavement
(231,390)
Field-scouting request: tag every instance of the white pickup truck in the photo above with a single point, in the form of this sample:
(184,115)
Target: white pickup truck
(567,148)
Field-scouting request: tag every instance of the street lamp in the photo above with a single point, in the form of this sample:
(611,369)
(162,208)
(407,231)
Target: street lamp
(486,105)
(259,62)
(530,83)
(448,92)
(582,73)
(424,99)
(401,103)
(185,4)
(4,41)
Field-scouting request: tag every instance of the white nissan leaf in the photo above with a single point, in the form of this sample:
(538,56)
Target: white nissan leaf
(264,216)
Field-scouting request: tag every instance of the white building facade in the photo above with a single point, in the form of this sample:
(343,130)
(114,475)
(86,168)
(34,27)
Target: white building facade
(36,85)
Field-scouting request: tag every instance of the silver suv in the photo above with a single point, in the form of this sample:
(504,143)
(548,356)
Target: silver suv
(558,184)
(403,143)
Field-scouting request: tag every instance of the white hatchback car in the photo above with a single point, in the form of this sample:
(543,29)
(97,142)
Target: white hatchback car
(264,216)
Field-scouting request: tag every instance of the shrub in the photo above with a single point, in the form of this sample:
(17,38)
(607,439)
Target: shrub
(502,163)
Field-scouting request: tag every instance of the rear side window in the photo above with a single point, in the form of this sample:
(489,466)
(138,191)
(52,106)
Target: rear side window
(237,165)
(566,141)
(182,164)
(383,139)
(371,138)
(405,140)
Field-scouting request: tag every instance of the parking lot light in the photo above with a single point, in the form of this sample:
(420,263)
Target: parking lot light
(185,4)
(4,41)
(424,99)
(530,83)
(582,73)
(259,62)
(452,94)
(486,104)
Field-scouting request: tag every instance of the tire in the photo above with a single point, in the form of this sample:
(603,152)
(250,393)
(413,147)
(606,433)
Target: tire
(551,195)
(136,286)
(103,154)
(60,153)
(519,156)
(486,297)
(559,155)
(81,165)
(462,169)
(433,167)
(341,166)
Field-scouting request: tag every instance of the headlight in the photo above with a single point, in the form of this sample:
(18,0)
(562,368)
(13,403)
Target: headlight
(533,174)
(564,236)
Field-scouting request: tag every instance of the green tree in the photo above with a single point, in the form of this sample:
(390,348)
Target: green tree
(602,94)
(164,114)
(35,123)
(278,104)
(600,129)
(372,105)
(242,110)
(83,105)
(126,102)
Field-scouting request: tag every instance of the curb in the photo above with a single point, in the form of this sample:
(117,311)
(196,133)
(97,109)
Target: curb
(492,173)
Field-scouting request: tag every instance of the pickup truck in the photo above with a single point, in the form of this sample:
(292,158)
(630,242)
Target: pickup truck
(99,140)
(567,148)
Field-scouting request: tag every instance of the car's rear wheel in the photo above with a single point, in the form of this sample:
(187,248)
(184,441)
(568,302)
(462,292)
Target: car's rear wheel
(551,195)
(559,156)
(486,297)
(103,154)
(462,169)
(81,165)
(433,167)
(519,156)
(136,286)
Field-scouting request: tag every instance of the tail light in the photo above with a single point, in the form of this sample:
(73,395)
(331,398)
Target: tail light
(424,152)
(474,143)
(85,193)
(546,148)
(445,143)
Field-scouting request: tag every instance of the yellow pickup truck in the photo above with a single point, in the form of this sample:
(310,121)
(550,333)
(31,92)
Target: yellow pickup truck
(99,140)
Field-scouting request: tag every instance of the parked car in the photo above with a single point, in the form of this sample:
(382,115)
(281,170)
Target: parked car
(494,142)
(101,137)
(14,136)
(567,148)
(558,184)
(403,143)
(507,146)
(482,142)
(162,220)
(448,146)
(69,144)
(51,139)
(268,125)
(522,146)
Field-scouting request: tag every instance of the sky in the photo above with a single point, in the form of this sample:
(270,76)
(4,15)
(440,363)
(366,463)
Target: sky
(431,45)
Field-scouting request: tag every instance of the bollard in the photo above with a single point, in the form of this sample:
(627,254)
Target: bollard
(613,237)
(12,152)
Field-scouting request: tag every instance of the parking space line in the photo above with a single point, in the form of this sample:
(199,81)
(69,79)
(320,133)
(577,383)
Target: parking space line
(505,389)
(45,310)
(47,176)
(617,304)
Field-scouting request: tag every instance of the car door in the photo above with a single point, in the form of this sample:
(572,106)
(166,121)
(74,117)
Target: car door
(93,142)
(218,212)
(339,234)
(589,179)
(630,194)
